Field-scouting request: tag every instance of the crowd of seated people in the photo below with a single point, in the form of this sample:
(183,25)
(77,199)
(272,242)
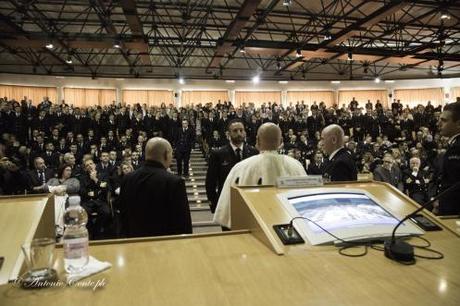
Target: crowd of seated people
(100,144)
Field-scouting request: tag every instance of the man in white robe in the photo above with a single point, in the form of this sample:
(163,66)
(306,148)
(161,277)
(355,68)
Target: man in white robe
(262,169)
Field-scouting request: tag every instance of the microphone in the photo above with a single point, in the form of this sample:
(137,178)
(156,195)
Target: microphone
(403,251)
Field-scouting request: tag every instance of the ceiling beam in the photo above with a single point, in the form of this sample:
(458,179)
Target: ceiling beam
(225,45)
(367,22)
(134,22)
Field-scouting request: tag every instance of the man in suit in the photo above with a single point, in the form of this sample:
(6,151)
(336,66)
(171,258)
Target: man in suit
(154,202)
(315,167)
(340,165)
(38,177)
(50,156)
(94,199)
(183,145)
(415,183)
(449,126)
(389,172)
(223,159)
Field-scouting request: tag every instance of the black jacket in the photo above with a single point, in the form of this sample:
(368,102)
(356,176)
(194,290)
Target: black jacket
(449,204)
(342,167)
(221,162)
(153,202)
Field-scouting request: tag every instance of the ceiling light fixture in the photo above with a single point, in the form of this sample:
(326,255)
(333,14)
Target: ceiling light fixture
(327,36)
(283,82)
(229,81)
(444,15)
(49,45)
(335,82)
(350,56)
(389,81)
(256,79)
(117,44)
(181,81)
(287,2)
(377,80)
(242,50)
(298,53)
(68,60)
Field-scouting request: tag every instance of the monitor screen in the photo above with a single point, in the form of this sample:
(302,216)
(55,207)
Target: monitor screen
(348,214)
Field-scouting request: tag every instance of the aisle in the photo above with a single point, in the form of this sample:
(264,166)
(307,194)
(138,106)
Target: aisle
(196,191)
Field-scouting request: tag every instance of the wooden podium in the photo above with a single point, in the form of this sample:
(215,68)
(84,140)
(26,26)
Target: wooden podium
(22,218)
(243,267)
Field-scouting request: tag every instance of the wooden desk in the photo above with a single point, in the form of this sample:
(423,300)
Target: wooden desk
(450,224)
(236,268)
(22,218)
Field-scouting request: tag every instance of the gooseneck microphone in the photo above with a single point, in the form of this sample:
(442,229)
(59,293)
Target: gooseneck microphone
(402,251)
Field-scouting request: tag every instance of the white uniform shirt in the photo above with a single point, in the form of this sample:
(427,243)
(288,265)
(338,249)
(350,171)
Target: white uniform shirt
(264,168)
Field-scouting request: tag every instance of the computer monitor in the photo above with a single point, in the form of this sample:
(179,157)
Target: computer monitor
(350,214)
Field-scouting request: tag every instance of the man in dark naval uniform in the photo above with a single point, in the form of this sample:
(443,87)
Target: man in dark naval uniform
(223,159)
(184,139)
(340,166)
(449,126)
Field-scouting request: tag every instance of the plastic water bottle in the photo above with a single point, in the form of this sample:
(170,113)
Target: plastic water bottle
(75,237)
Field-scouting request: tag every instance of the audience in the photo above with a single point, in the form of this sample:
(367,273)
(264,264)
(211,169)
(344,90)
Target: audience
(37,139)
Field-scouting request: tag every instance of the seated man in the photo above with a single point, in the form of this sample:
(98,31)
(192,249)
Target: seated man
(38,177)
(93,192)
(153,202)
(262,169)
(415,182)
(388,172)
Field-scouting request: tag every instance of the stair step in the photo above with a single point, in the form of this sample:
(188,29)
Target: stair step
(194,198)
(197,190)
(201,215)
(204,224)
(197,184)
(207,229)
(204,205)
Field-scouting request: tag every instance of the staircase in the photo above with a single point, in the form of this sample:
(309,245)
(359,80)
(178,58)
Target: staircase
(196,192)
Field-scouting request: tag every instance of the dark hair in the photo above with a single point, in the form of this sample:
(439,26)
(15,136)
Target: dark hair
(234,121)
(61,169)
(454,108)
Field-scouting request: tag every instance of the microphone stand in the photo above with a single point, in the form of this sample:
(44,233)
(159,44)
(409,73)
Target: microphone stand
(402,251)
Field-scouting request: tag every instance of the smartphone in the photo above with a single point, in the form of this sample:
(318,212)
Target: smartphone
(425,223)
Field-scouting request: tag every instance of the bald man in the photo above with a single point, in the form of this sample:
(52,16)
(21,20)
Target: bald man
(340,165)
(153,201)
(261,169)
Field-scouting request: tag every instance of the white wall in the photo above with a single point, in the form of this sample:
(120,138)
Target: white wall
(120,84)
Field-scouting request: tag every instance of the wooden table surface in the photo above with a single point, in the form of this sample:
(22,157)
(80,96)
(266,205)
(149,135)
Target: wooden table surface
(237,269)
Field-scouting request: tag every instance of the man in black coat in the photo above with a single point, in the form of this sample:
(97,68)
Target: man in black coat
(183,140)
(223,159)
(154,202)
(449,126)
(340,165)
(37,178)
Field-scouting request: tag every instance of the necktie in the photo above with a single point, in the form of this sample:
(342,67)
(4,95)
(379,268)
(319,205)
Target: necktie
(238,154)
(41,177)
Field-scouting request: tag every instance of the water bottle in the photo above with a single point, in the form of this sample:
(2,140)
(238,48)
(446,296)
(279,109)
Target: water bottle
(75,237)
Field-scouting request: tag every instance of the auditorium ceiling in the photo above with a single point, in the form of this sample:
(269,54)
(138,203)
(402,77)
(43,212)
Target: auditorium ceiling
(232,39)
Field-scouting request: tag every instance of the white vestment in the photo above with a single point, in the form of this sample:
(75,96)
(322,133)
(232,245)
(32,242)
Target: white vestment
(261,169)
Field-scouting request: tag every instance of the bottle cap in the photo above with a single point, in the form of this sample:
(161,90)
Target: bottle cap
(74,200)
